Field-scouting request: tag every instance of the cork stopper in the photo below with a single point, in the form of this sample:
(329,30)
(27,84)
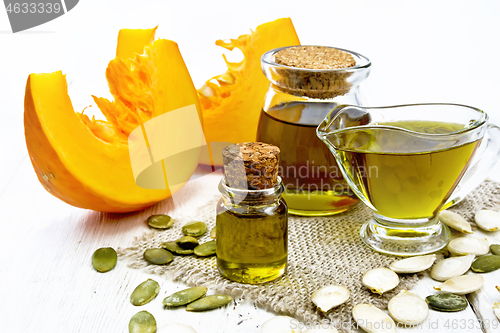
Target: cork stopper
(314,71)
(251,165)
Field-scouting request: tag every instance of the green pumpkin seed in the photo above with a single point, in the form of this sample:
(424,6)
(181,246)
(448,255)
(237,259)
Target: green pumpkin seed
(447,302)
(160,221)
(486,264)
(104,259)
(145,292)
(176,249)
(142,322)
(194,228)
(158,256)
(205,249)
(213,233)
(184,297)
(187,242)
(495,249)
(209,302)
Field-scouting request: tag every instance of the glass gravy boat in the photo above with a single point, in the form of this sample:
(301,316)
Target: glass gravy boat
(409,162)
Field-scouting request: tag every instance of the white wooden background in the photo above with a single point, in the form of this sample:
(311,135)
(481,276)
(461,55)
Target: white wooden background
(425,51)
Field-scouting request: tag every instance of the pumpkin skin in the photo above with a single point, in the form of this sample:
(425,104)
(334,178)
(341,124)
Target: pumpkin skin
(85,162)
(231,109)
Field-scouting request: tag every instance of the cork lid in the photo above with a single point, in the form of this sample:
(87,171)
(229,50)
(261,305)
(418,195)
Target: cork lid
(251,165)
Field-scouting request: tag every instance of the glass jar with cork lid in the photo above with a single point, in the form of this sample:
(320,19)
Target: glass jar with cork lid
(252,217)
(307,82)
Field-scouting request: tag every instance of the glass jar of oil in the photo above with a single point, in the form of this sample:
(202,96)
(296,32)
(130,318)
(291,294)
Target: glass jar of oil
(251,233)
(297,101)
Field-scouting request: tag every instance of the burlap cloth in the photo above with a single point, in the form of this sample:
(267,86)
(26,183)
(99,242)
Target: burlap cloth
(322,251)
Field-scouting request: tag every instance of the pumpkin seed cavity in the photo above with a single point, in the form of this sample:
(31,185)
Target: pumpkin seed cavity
(160,221)
(371,319)
(468,245)
(488,220)
(408,308)
(194,229)
(455,221)
(209,303)
(486,264)
(142,322)
(104,259)
(379,280)
(175,249)
(447,302)
(145,292)
(414,264)
(451,267)
(187,242)
(495,249)
(206,249)
(158,256)
(328,297)
(184,297)
(462,285)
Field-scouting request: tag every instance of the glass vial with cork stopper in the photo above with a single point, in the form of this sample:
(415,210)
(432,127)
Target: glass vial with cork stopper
(307,82)
(252,217)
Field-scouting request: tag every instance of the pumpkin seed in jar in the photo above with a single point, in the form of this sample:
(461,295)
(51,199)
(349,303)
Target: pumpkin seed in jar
(187,242)
(486,264)
(158,256)
(495,249)
(209,303)
(213,233)
(206,249)
(104,259)
(185,296)
(145,292)
(160,221)
(447,302)
(175,249)
(142,322)
(194,228)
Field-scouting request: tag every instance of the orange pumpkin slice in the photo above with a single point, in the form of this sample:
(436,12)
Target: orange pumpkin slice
(85,162)
(232,101)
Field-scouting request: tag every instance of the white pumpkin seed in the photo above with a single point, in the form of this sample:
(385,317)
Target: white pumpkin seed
(496,309)
(488,220)
(451,267)
(176,328)
(329,297)
(408,308)
(455,221)
(373,320)
(413,264)
(322,329)
(379,280)
(280,324)
(462,285)
(463,246)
